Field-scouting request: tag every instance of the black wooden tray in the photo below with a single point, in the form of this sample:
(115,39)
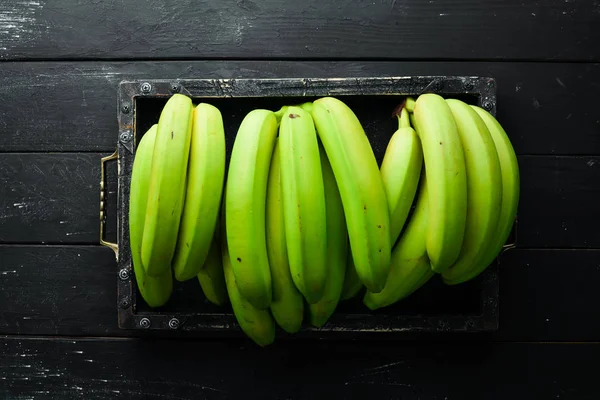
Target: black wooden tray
(436,307)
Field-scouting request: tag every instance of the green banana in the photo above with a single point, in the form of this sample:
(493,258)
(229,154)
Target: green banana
(304,208)
(256,323)
(211,275)
(245,199)
(155,291)
(352,283)
(410,268)
(400,172)
(361,188)
(287,305)
(445,165)
(509,167)
(166,193)
(337,248)
(206,172)
(484,188)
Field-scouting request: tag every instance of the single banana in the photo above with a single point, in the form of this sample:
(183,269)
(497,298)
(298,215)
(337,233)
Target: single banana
(155,291)
(361,188)
(166,193)
(410,268)
(400,172)
(245,199)
(445,165)
(304,208)
(337,248)
(509,167)
(484,188)
(256,323)
(352,283)
(206,172)
(211,275)
(287,305)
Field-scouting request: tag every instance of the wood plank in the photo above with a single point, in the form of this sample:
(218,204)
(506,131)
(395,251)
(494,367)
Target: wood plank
(56,290)
(136,369)
(54,199)
(549,295)
(545,295)
(559,206)
(546,108)
(459,29)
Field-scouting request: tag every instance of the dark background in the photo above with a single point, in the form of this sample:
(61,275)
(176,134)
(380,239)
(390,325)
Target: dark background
(60,63)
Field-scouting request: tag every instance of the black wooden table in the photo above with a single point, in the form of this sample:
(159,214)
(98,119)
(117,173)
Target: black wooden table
(60,64)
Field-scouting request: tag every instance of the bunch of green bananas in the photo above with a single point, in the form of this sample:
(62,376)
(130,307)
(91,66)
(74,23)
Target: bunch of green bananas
(175,198)
(467,199)
(306,218)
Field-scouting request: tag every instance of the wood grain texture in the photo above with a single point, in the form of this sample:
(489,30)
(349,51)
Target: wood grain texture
(162,29)
(71,290)
(60,64)
(56,290)
(560,197)
(548,295)
(176,370)
(54,199)
(546,108)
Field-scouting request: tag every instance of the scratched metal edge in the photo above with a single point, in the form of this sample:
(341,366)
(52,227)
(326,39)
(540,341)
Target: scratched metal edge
(129,91)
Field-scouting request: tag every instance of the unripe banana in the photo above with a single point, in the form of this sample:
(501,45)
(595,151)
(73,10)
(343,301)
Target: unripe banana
(287,305)
(400,172)
(484,188)
(245,199)
(155,291)
(352,283)
(445,165)
(361,188)
(304,208)
(166,193)
(337,248)
(211,275)
(206,172)
(256,323)
(410,268)
(510,197)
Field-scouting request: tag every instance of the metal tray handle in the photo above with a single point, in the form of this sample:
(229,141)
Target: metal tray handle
(103,242)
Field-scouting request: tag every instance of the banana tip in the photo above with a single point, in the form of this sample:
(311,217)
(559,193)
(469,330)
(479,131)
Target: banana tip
(317,323)
(370,303)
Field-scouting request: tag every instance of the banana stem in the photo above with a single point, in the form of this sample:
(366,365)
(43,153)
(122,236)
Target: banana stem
(410,105)
(412,122)
(279,114)
(308,106)
(403,119)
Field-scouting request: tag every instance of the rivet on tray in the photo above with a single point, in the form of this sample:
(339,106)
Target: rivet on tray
(488,105)
(124,303)
(123,274)
(146,87)
(125,136)
(145,323)
(174,323)
(174,87)
(468,86)
(126,108)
